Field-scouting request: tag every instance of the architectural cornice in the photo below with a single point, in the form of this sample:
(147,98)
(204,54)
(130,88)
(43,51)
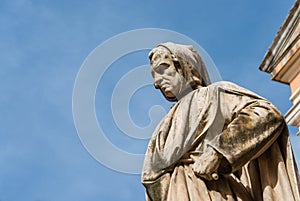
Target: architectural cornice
(277,50)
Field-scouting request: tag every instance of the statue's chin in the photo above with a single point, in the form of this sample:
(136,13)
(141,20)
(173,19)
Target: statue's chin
(170,97)
(174,98)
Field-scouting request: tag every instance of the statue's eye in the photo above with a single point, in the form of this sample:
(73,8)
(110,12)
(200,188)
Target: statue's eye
(161,68)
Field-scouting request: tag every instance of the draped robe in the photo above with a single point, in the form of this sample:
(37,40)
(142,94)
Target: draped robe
(245,128)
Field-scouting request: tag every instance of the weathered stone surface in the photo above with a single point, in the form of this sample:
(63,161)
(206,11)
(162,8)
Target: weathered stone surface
(218,142)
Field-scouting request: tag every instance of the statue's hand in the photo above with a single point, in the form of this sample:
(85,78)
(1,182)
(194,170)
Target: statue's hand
(207,164)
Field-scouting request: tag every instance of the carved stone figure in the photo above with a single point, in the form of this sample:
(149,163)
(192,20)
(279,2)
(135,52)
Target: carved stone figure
(218,141)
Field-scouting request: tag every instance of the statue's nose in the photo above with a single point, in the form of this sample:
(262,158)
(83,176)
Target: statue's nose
(157,81)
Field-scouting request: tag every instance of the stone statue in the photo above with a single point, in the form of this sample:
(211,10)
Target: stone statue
(218,141)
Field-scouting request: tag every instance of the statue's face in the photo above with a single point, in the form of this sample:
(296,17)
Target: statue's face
(166,77)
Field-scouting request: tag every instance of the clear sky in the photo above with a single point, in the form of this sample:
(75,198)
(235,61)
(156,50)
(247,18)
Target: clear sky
(44,44)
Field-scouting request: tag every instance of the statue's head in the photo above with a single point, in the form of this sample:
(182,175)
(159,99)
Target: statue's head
(177,69)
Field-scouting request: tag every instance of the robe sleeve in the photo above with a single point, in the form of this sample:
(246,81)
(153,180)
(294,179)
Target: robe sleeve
(250,132)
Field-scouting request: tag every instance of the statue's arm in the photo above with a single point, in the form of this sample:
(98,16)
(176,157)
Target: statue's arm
(252,130)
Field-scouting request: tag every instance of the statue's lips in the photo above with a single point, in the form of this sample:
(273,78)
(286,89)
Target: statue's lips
(165,88)
(167,91)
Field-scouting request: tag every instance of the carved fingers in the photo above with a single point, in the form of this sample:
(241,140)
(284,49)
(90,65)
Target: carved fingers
(207,164)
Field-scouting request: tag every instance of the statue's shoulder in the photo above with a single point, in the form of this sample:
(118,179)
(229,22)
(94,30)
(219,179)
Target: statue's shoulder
(213,88)
(224,85)
(232,88)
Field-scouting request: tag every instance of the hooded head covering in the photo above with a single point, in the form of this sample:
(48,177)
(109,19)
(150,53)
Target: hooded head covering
(188,57)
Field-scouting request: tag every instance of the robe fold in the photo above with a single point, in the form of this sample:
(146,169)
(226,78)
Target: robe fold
(246,129)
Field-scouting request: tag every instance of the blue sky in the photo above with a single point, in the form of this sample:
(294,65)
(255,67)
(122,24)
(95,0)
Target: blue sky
(43,45)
